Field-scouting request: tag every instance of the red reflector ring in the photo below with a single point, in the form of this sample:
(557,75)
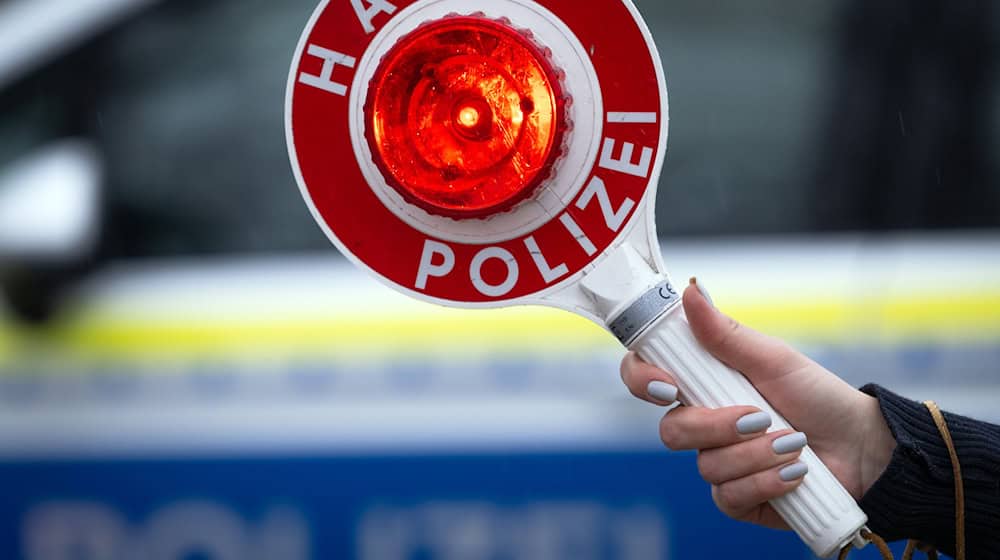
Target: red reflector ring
(466,118)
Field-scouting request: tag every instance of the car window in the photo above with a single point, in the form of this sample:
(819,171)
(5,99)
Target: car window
(812,117)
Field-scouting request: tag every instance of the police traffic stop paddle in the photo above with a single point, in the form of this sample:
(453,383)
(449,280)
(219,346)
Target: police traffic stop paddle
(486,153)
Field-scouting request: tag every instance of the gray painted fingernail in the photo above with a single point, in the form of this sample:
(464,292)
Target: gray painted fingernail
(794,471)
(753,423)
(789,443)
(663,392)
(701,289)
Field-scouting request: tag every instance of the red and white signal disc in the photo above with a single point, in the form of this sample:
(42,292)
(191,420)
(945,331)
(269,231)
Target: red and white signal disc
(615,139)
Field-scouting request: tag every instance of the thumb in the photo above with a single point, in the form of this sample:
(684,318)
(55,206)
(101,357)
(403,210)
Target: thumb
(758,356)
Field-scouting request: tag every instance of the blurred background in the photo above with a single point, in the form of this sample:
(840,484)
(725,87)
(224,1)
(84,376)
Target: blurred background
(189,371)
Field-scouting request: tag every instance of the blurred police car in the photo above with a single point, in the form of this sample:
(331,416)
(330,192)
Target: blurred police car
(189,371)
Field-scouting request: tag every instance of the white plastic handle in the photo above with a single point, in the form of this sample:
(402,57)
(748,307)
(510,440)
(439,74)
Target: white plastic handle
(820,510)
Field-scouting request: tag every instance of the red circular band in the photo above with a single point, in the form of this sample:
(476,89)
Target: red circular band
(369,231)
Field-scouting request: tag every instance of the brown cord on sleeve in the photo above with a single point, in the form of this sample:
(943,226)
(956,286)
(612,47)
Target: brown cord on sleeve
(913,546)
(956,468)
(872,538)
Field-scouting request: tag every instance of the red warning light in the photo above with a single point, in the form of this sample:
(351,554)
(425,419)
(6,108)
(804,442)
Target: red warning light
(466,117)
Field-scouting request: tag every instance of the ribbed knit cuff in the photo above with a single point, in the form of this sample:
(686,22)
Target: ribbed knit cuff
(915,497)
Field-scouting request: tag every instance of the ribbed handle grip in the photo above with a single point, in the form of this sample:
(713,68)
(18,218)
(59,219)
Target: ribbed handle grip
(820,510)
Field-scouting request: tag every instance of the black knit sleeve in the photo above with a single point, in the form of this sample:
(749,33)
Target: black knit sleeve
(915,498)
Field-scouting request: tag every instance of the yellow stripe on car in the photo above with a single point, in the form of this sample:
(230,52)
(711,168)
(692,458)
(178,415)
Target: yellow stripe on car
(932,318)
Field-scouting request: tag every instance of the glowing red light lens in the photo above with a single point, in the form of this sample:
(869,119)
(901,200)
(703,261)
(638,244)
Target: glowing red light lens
(465,117)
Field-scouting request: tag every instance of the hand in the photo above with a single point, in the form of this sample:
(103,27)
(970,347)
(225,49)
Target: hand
(844,426)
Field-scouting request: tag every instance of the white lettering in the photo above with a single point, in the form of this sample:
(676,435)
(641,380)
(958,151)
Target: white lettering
(476,272)
(632,118)
(366,15)
(549,274)
(576,231)
(625,164)
(614,219)
(331,59)
(214,531)
(580,530)
(428,268)
(75,530)
(62,530)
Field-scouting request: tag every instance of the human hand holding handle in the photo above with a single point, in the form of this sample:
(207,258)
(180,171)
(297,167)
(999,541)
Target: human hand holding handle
(747,465)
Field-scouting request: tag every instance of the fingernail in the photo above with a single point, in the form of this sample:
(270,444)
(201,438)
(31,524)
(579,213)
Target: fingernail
(794,471)
(753,423)
(702,290)
(789,443)
(663,392)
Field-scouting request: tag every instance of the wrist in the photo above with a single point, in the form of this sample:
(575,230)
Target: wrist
(877,443)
